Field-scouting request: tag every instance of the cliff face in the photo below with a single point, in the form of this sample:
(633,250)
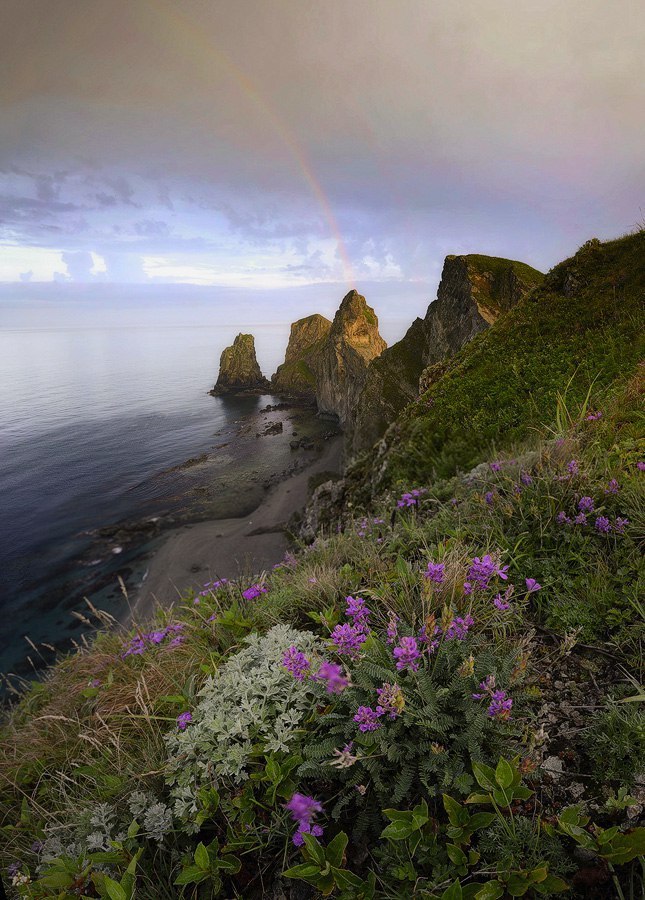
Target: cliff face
(239,369)
(296,375)
(340,371)
(473,292)
(392,381)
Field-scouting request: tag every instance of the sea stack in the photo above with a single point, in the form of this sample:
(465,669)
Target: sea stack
(297,374)
(239,371)
(353,342)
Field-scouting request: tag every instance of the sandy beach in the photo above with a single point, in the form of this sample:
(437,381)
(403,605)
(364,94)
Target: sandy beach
(225,548)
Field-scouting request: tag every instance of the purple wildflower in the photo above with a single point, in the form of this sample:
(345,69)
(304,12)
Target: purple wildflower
(500,705)
(526,479)
(296,663)
(562,518)
(183,719)
(640,466)
(487,686)
(501,604)
(390,700)
(348,639)
(458,628)
(482,570)
(573,468)
(175,642)
(602,525)
(593,417)
(586,504)
(619,524)
(357,611)
(367,718)
(332,675)
(392,628)
(37,846)
(95,683)
(304,828)
(407,654)
(435,572)
(495,466)
(303,808)
(253,592)
(13,869)
(613,487)
(580,519)
(532,586)
(489,498)
(468,588)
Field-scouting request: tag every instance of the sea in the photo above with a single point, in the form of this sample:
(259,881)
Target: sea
(99,414)
(91,419)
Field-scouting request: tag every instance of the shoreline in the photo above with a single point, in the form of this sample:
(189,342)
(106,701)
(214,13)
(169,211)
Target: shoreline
(228,548)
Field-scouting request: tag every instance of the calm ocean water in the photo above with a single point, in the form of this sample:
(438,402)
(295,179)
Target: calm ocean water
(103,389)
(88,418)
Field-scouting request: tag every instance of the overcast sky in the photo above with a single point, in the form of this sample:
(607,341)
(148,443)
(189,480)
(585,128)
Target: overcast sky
(277,143)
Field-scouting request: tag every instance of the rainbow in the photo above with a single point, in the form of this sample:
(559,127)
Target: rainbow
(178,23)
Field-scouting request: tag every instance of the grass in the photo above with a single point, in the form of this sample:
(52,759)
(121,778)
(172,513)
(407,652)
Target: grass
(504,384)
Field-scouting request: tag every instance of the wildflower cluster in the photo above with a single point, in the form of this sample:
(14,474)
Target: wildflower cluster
(142,642)
(349,637)
(483,570)
(391,703)
(458,628)
(435,572)
(411,498)
(602,524)
(407,654)
(209,588)
(369,526)
(500,704)
(255,591)
(303,809)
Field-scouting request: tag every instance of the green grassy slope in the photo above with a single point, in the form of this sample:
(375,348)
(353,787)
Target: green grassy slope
(582,328)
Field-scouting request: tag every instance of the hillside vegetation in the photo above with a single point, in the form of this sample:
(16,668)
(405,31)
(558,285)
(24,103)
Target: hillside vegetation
(578,331)
(442,696)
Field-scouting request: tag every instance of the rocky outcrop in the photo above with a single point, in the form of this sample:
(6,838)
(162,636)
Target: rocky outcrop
(473,292)
(341,369)
(307,339)
(239,371)
(392,381)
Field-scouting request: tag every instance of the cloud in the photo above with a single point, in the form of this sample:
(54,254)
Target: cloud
(26,276)
(390,133)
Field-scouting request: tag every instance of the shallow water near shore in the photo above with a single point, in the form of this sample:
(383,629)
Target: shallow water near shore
(107,440)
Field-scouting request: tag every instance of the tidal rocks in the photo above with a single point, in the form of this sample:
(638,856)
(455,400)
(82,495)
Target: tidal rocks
(307,339)
(239,371)
(341,369)
(474,291)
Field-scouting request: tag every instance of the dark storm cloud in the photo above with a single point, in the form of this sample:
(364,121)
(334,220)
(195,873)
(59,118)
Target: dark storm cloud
(413,128)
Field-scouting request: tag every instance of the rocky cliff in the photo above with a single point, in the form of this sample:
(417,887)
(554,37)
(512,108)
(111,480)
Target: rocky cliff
(341,369)
(238,368)
(307,339)
(474,290)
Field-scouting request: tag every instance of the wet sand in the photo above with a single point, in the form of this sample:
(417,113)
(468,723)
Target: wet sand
(225,548)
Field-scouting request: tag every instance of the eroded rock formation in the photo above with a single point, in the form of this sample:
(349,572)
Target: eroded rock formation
(474,290)
(307,339)
(239,370)
(341,369)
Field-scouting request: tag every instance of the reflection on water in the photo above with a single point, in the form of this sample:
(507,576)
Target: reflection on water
(88,420)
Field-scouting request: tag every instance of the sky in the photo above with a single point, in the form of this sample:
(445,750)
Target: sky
(277,145)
